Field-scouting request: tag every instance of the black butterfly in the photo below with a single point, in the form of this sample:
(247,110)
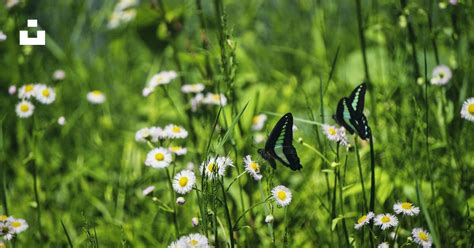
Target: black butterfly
(349,113)
(279,145)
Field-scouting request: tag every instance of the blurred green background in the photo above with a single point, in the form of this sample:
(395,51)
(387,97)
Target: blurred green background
(276,55)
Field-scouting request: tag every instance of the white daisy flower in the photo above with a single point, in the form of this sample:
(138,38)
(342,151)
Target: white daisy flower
(24,109)
(62,121)
(195,221)
(386,221)
(364,220)
(383,245)
(44,94)
(6,230)
(176,132)
(3,36)
(441,75)
(158,158)
(96,97)
(157,133)
(422,237)
(252,167)
(178,243)
(223,163)
(147,91)
(184,181)
(26,91)
(467,110)
(180,200)
(269,219)
(215,99)
(143,135)
(18,225)
(59,75)
(192,88)
(196,240)
(196,102)
(12,89)
(406,208)
(215,166)
(178,150)
(164,77)
(282,195)
(258,122)
(148,190)
(330,132)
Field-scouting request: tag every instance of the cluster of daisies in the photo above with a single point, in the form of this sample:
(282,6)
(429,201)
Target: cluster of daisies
(124,12)
(386,221)
(441,76)
(191,240)
(337,134)
(40,92)
(10,227)
(198,99)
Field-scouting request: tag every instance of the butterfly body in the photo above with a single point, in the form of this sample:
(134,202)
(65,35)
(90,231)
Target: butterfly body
(349,113)
(279,145)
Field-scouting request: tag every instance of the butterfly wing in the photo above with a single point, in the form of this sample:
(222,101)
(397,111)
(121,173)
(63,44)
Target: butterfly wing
(357,98)
(343,116)
(279,143)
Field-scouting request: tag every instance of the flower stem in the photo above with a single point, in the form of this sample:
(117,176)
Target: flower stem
(227,214)
(234,180)
(173,196)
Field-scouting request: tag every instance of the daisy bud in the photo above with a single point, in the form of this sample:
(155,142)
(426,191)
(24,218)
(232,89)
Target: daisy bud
(300,140)
(334,165)
(148,190)
(180,200)
(59,75)
(12,90)
(269,219)
(195,221)
(155,199)
(61,120)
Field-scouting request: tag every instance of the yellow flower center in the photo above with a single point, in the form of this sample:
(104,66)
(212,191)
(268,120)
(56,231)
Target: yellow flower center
(194,242)
(97,92)
(29,87)
(406,205)
(176,129)
(212,167)
(216,97)
(255,120)
(175,148)
(24,107)
(470,108)
(159,156)
(16,224)
(3,217)
(332,131)
(362,219)
(45,92)
(423,236)
(254,166)
(183,181)
(281,195)
(385,219)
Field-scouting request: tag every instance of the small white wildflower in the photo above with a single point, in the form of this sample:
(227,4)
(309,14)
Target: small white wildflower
(258,122)
(45,94)
(184,181)
(215,99)
(253,168)
(364,220)
(24,109)
(158,158)
(282,195)
(12,89)
(467,109)
(386,221)
(269,219)
(59,75)
(195,221)
(406,208)
(61,120)
(441,75)
(148,190)
(180,200)
(96,97)
(176,132)
(192,88)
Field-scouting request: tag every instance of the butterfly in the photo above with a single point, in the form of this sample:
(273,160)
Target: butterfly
(349,113)
(279,145)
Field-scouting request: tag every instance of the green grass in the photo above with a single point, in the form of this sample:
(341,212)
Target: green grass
(80,185)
